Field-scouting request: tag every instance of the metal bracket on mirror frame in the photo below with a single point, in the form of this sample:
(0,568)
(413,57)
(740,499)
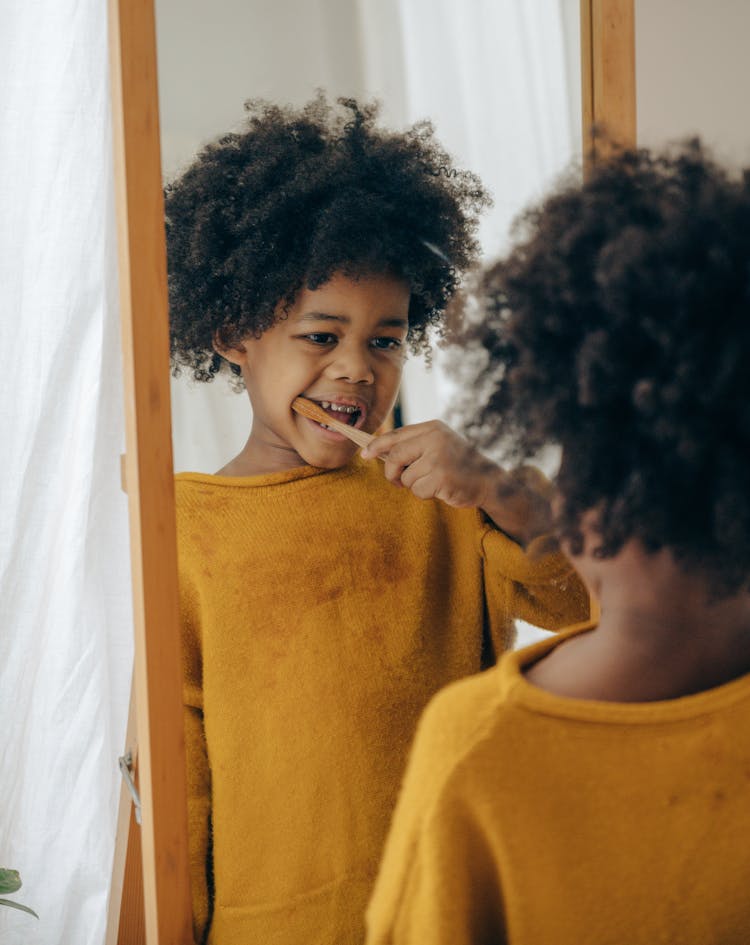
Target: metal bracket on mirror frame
(126,767)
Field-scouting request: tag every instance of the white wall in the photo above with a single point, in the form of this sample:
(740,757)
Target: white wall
(214,56)
(693,73)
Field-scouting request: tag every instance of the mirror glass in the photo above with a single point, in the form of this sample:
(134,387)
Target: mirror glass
(501,83)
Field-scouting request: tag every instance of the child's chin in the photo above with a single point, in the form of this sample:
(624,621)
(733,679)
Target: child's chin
(330,459)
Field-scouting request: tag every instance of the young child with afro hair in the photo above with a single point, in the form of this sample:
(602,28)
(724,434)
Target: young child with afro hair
(595,787)
(326,597)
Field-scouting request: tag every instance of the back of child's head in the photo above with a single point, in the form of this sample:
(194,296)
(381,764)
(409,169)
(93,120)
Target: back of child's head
(297,196)
(619,328)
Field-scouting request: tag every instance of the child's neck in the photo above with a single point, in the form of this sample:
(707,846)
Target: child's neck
(260,458)
(661,635)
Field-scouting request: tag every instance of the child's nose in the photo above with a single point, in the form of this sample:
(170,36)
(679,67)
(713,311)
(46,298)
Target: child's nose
(351,364)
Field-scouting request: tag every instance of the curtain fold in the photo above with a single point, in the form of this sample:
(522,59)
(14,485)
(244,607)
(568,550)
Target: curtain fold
(494,77)
(65,600)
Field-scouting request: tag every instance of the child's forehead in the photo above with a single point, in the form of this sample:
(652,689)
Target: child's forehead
(386,321)
(345,299)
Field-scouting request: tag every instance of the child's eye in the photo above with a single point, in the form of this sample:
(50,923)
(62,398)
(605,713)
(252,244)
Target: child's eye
(320,338)
(387,344)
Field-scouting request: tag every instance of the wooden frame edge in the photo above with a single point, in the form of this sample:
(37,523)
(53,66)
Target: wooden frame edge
(126,913)
(608,84)
(149,474)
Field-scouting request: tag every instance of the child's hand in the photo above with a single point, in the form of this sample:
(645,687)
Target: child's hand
(435,462)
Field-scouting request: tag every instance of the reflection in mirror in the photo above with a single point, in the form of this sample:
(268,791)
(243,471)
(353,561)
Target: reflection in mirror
(322,607)
(501,82)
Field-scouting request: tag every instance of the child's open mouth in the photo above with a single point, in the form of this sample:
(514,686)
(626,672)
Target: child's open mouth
(349,411)
(344,413)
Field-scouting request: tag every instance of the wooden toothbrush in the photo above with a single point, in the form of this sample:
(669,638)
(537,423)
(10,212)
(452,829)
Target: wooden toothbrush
(311,410)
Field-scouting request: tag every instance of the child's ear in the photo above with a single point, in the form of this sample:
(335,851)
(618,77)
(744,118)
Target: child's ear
(234,353)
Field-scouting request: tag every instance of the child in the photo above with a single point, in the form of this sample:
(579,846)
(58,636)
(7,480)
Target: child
(322,607)
(594,789)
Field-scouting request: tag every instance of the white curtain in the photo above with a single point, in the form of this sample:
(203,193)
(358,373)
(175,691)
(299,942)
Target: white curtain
(65,627)
(500,80)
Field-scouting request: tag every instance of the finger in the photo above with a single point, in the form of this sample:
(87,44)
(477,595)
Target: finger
(384,443)
(422,466)
(402,455)
(428,481)
(434,486)
(394,467)
(425,487)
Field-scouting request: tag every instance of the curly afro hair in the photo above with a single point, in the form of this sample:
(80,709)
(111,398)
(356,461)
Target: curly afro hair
(298,196)
(619,328)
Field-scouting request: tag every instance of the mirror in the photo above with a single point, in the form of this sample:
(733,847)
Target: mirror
(501,84)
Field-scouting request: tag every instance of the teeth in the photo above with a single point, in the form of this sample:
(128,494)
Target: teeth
(338,408)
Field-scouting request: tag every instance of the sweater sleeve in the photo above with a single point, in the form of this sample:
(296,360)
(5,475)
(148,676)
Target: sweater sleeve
(438,881)
(198,773)
(537,585)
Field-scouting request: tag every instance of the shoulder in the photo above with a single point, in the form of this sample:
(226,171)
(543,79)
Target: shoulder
(458,724)
(209,493)
(195,496)
(472,728)
(188,486)
(462,711)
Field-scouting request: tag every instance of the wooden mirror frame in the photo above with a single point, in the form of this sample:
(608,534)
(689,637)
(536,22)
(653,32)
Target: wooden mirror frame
(150,893)
(607,76)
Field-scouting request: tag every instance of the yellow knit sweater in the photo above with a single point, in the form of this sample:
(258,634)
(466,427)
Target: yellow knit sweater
(530,819)
(321,611)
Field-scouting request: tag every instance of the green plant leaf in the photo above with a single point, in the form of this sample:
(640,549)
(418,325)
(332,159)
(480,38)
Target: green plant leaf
(10,881)
(17,905)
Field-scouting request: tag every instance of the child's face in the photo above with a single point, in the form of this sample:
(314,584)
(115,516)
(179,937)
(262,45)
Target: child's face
(341,345)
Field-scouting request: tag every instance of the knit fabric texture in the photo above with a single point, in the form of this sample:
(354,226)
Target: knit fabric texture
(531,819)
(321,610)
